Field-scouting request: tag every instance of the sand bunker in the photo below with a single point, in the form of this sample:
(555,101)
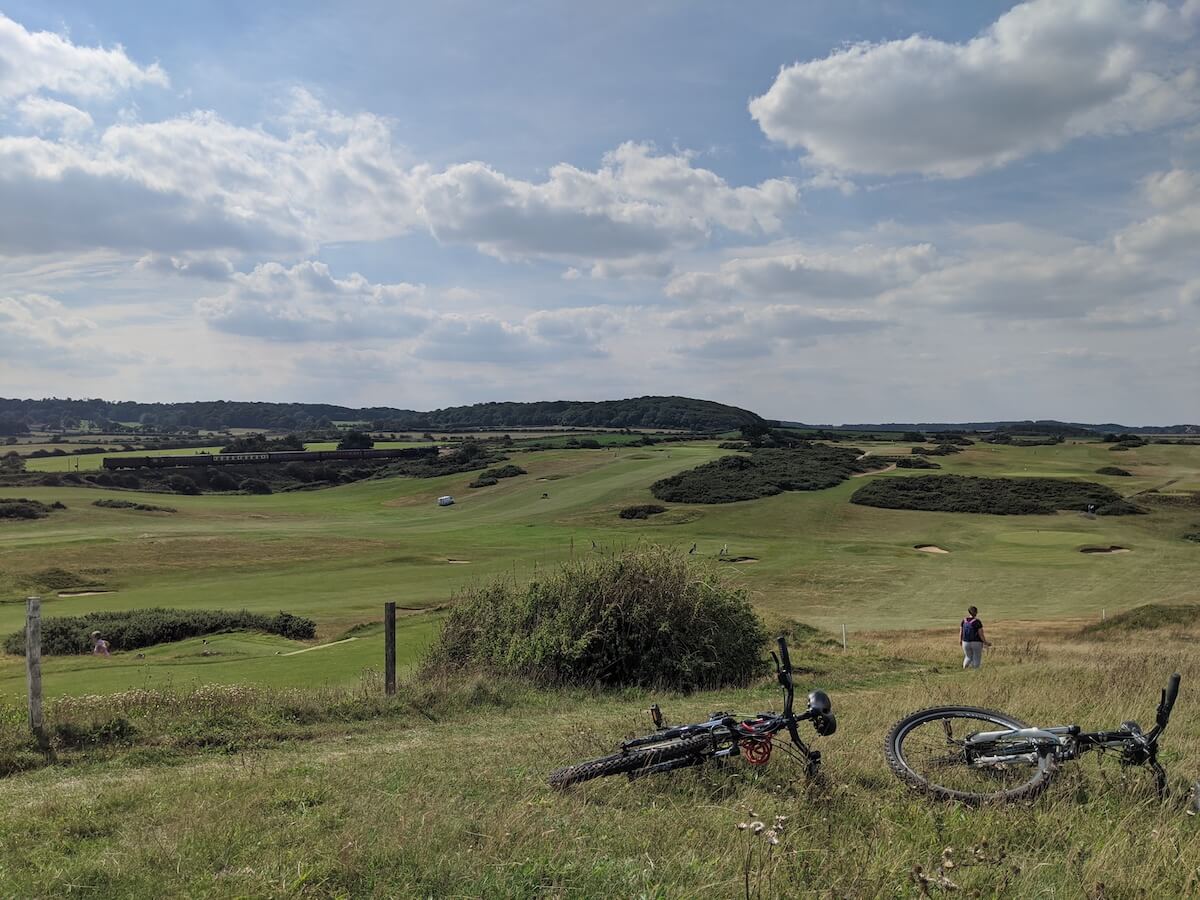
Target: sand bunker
(1113,549)
(83,593)
(740,559)
(459,562)
(890,468)
(930,548)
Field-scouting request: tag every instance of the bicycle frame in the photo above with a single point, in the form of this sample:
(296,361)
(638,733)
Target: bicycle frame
(1067,742)
(727,733)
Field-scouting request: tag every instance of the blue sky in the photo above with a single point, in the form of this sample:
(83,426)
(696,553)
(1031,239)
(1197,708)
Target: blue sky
(823,211)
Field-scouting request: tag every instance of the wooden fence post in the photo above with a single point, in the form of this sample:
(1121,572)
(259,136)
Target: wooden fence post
(843,636)
(33,671)
(389,648)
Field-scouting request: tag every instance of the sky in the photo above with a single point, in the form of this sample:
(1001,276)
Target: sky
(825,211)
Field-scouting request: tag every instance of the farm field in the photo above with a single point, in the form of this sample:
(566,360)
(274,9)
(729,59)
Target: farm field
(93,461)
(336,555)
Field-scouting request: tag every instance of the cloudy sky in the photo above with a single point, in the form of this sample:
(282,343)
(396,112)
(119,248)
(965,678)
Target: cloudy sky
(830,211)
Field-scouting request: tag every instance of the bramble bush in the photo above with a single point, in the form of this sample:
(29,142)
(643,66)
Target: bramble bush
(642,616)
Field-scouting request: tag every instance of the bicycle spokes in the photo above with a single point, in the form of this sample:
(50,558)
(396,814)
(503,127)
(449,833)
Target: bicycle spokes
(933,752)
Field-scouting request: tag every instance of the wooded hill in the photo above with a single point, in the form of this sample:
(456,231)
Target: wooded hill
(17,416)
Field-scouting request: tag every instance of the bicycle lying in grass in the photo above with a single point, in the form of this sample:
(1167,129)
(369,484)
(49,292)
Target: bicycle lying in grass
(979,755)
(722,736)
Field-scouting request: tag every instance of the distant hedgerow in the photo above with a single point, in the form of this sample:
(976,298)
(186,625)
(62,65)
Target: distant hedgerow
(1112,470)
(643,616)
(135,628)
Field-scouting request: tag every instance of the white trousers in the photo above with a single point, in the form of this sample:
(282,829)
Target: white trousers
(972,654)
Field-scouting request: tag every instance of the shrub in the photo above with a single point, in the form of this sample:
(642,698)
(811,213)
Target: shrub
(641,617)
(508,471)
(997,496)
(131,629)
(22,508)
(483,481)
(181,484)
(642,511)
(1193,536)
(1112,470)
(356,440)
(915,462)
(763,473)
(222,481)
(254,486)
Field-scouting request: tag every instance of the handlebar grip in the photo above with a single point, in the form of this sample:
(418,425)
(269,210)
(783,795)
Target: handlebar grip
(1171,692)
(784,658)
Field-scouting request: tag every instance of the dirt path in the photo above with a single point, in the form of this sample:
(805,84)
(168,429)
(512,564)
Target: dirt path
(874,472)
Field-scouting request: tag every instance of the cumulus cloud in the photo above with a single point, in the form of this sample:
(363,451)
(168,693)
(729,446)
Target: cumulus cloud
(635,206)
(208,268)
(307,303)
(37,330)
(197,183)
(35,61)
(44,115)
(808,274)
(748,332)
(1044,73)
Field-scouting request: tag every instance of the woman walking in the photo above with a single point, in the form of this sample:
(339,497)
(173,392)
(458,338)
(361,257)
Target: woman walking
(973,641)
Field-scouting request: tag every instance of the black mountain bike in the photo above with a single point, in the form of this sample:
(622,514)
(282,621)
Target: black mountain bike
(722,736)
(980,755)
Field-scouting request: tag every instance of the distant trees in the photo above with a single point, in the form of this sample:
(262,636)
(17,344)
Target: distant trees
(10,424)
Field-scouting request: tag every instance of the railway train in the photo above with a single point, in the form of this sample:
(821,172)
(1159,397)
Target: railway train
(279,456)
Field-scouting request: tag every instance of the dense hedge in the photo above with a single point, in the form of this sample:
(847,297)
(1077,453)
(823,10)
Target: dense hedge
(131,629)
(997,496)
(763,473)
(642,617)
(939,450)
(642,511)
(1112,470)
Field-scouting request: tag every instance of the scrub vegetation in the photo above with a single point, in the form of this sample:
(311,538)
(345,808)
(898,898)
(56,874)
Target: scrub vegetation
(994,496)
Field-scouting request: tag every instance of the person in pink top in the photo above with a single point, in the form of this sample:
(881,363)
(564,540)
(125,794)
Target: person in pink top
(99,645)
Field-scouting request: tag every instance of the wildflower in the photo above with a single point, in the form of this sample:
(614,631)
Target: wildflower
(757,827)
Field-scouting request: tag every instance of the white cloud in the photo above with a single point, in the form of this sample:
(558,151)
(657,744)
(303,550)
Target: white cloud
(44,115)
(306,303)
(38,331)
(1174,233)
(809,274)
(635,206)
(1044,73)
(37,61)
(208,268)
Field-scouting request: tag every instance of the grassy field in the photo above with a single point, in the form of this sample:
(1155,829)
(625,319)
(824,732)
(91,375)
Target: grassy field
(443,794)
(336,555)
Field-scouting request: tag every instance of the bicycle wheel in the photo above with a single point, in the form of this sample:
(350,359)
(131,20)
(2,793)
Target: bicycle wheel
(626,763)
(928,751)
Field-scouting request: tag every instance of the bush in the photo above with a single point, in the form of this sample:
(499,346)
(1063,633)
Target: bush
(22,508)
(181,484)
(356,440)
(642,511)
(509,471)
(1112,470)
(254,486)
(642,617)
(997,496)
(915,462)
(131,629)
(221,481)
(483,481)
(763,473)
(1193,536)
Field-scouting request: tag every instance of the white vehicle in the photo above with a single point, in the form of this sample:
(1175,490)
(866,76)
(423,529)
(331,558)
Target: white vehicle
(446,501)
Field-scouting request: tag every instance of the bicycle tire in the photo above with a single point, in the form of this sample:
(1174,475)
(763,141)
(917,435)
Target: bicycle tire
(625,763)
(893,749)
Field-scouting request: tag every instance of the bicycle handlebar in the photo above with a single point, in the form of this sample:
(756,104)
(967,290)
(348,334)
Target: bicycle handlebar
(1171,692)
(785,675)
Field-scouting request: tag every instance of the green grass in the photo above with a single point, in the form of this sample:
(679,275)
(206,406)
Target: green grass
(93,461)
(240,795)
(336,555)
